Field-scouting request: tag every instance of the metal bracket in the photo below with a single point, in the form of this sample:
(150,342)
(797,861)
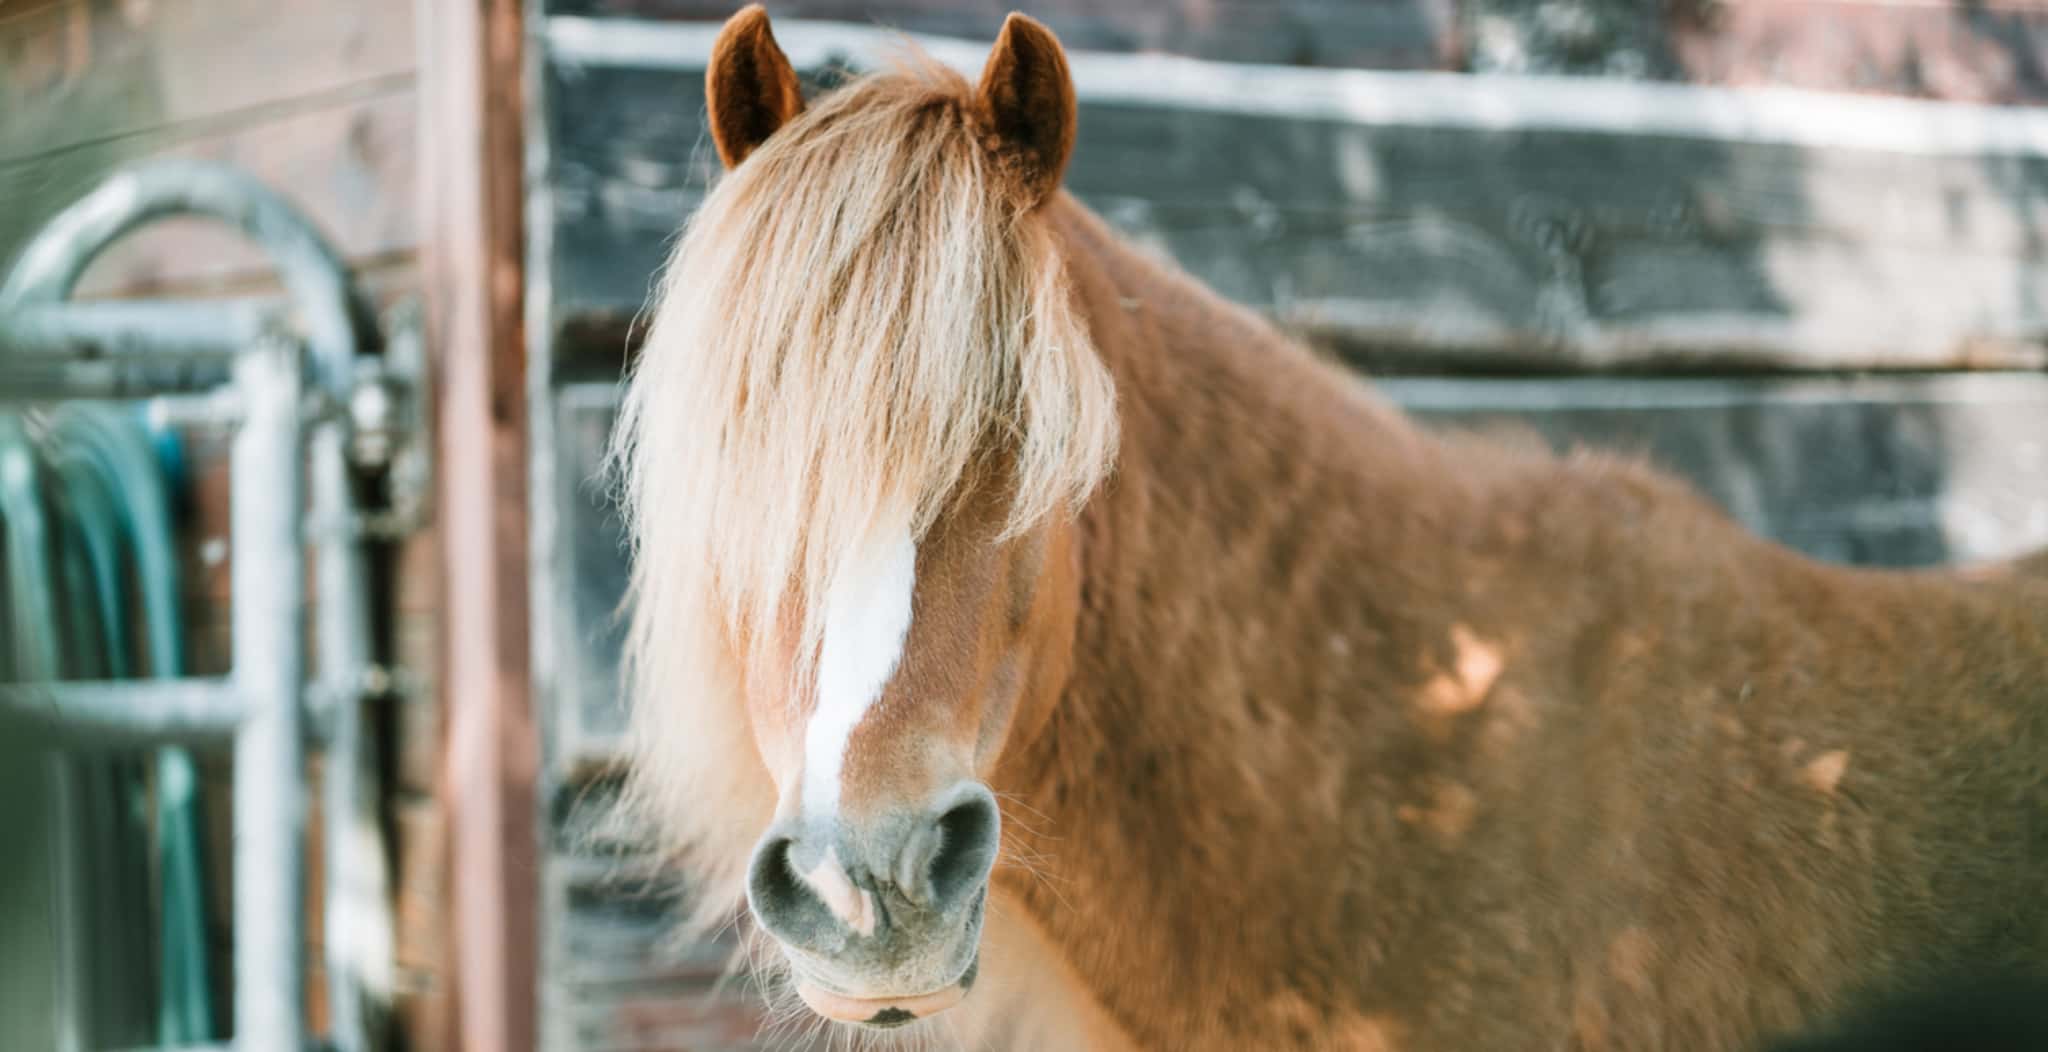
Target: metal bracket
(387,413)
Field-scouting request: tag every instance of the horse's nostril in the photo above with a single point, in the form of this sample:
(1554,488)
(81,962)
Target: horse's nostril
(967,835)
(771,876)
(780,901)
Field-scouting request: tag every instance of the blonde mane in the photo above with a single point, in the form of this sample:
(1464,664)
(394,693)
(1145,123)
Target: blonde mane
(851,319)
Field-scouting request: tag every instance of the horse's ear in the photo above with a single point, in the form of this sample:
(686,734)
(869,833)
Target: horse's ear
(749,87)
(1027,97)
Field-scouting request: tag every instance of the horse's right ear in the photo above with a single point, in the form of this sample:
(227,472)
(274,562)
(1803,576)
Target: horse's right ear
(1027,97)
(749,87)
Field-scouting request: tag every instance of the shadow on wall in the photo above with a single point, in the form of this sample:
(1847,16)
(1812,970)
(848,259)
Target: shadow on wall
(1808,464)
(2016,35)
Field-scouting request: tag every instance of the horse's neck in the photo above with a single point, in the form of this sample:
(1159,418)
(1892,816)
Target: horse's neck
(1246,584)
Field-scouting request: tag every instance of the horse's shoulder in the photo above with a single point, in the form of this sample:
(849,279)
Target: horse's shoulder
(2032,566)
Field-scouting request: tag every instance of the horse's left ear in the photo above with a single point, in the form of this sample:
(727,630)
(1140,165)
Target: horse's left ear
(1027,97)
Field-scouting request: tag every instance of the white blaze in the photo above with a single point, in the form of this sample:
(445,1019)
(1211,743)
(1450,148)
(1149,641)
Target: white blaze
(867,618)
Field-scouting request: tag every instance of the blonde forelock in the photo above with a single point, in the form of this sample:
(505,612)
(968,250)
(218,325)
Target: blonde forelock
(852,319)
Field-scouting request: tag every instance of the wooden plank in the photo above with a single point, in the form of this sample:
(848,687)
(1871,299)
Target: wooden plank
(625,983)
(1384,34)
(1561,224)
(417,641)
(86,71)
(1993,51)
(423,1005)
(350,167)
(21,9)
(472,267)
(1985,51)
(313,98)
(1886,472)
(586,714)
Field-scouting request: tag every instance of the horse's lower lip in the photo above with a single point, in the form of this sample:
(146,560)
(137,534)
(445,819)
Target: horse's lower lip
(883,1011)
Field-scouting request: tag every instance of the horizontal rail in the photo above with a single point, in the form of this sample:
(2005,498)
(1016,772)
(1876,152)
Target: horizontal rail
(41,377)
(128,349)
(228,1046)
(1666,394)
(1379,98)
(126,712)
(316,1046)
(202,329)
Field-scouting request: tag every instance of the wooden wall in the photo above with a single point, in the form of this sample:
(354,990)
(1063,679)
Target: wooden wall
(313,98)
(319,100)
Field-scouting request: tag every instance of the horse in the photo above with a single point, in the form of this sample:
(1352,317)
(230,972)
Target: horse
(1038,651)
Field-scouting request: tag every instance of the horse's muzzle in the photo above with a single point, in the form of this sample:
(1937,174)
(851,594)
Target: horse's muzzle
(880,917)
(885,1012)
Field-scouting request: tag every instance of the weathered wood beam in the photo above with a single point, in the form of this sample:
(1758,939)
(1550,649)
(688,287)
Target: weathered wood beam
(1378,34)
(472,267)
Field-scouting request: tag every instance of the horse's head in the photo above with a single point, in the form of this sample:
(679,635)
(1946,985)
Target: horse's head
(864,414)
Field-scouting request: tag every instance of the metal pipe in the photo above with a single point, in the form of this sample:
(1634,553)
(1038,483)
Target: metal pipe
(207,330)
(48,378)
(269,800)
(124,713)
(125,349)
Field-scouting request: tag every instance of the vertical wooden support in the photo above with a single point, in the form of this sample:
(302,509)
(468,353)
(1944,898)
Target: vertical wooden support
(472,261)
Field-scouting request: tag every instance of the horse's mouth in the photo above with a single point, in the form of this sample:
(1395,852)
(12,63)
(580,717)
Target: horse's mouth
(887,1012)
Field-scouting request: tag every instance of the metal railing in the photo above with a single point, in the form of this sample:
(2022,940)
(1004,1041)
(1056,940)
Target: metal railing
(285,374)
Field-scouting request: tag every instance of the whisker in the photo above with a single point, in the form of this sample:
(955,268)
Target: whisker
(1014,800)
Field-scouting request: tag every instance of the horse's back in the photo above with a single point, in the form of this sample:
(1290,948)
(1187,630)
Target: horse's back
(1847,761)
(2033,565)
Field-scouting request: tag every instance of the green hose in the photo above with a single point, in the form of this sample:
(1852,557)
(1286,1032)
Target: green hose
(39,918)
(76,535)
(112,788)
(121,453)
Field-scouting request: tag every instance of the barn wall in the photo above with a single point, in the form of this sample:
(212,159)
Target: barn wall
(318,100)
(313,98)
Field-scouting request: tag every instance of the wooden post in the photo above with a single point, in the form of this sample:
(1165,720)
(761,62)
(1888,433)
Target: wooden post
(472,266)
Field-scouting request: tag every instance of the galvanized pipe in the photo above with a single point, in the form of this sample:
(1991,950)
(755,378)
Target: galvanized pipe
(269,666)
(160,330)
(127,349)
(45,379)
(124,713)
